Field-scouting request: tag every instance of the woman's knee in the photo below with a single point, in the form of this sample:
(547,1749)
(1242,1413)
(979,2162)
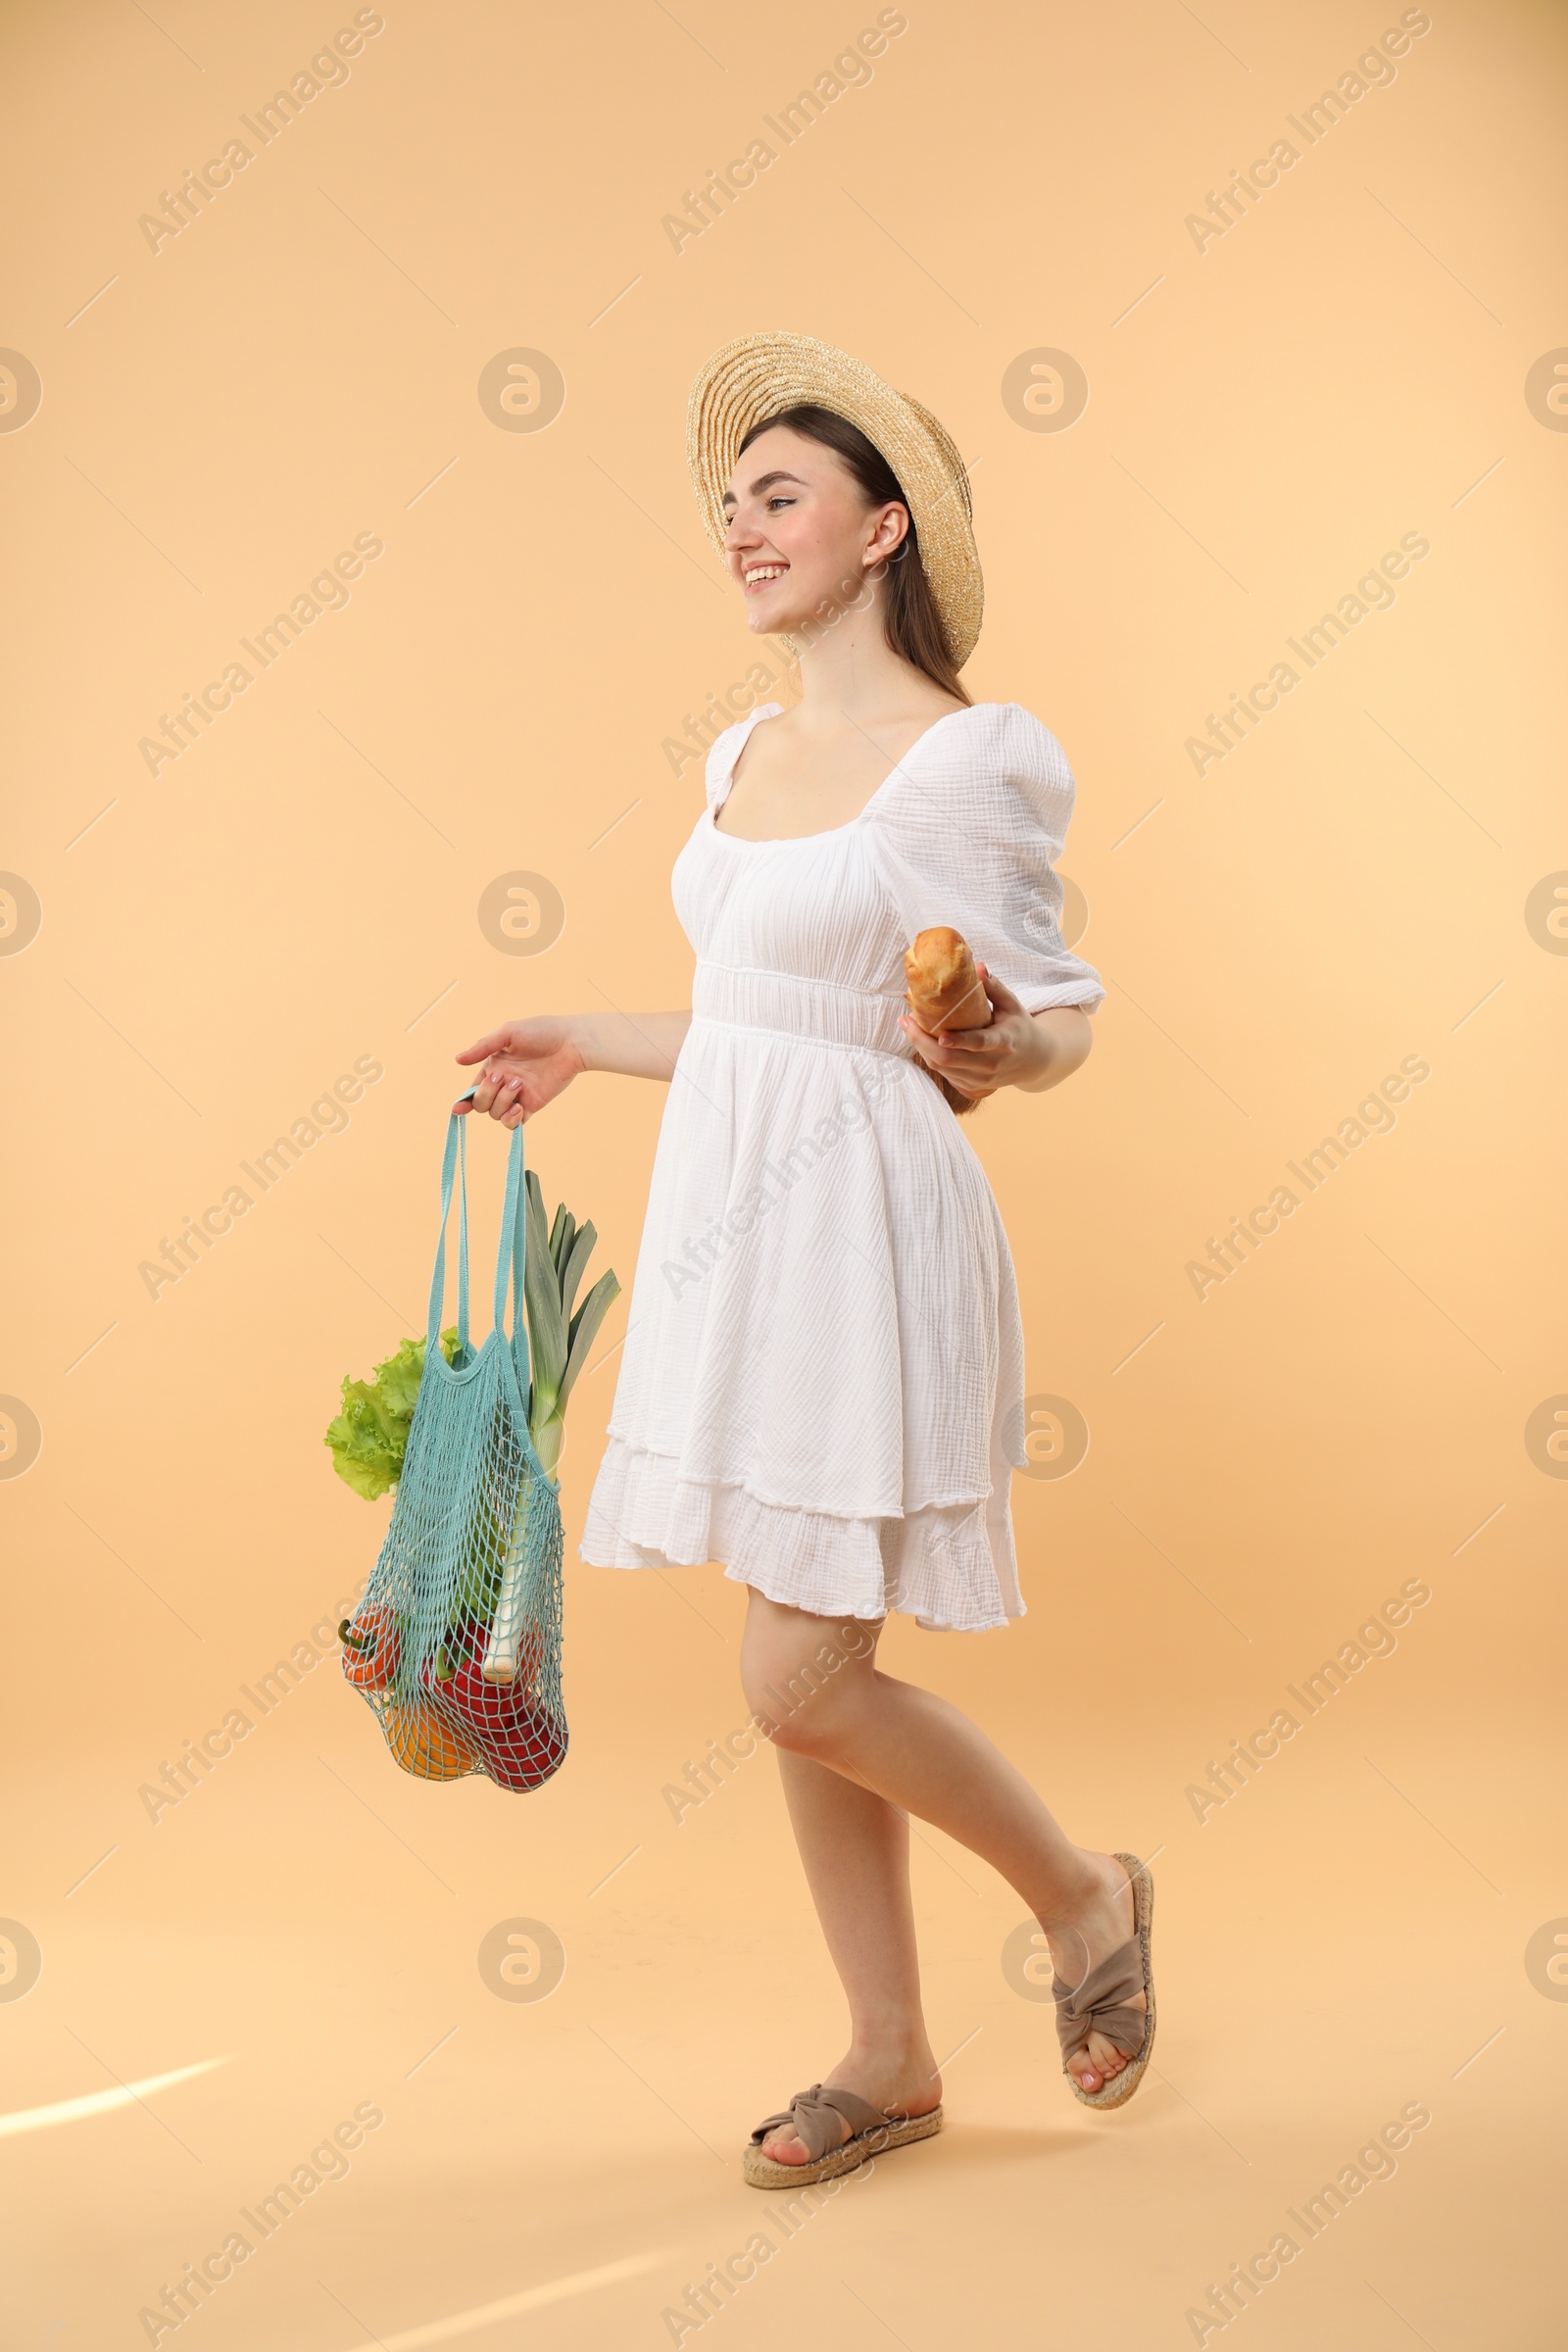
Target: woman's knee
(802,1674)
(816,1724)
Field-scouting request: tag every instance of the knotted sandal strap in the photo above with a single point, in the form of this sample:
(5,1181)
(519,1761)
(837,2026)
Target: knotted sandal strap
(1099,2005)
(813,2115)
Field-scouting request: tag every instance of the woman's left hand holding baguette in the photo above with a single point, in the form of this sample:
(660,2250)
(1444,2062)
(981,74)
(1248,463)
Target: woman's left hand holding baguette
(1031,1051)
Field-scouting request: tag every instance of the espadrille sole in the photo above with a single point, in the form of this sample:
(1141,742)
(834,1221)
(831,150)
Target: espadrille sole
(763,2172)
(1119,2088)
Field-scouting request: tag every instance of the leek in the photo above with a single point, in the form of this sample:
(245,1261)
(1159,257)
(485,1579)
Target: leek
(558,1341)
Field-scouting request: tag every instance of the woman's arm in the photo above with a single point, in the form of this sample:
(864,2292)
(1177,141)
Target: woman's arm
(1032,1051)
(527,1063)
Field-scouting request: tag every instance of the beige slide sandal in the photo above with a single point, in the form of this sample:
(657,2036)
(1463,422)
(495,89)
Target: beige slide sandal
(1099,2003)
(814,2116)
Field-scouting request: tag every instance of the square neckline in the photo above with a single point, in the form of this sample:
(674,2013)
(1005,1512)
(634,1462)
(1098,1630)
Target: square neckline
(779,841)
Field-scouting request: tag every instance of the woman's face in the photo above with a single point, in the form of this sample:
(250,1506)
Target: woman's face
(801,541)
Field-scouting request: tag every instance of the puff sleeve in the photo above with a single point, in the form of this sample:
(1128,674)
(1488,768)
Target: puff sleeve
(968,831)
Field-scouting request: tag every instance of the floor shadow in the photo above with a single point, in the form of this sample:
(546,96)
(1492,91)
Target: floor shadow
(976,2144)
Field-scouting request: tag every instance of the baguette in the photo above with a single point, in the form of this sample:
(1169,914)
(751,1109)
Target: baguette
(944,989)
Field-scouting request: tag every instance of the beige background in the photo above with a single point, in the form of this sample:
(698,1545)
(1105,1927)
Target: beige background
(299,889)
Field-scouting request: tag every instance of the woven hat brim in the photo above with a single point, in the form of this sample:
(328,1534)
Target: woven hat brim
(757,376)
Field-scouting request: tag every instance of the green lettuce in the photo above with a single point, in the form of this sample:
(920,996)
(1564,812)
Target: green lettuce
(369,1435)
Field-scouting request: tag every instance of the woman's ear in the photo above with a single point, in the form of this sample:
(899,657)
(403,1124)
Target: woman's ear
(892,529)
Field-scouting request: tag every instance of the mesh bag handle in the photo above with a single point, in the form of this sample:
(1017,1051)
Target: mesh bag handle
(512,1252)
(511,1248)
(454,1162)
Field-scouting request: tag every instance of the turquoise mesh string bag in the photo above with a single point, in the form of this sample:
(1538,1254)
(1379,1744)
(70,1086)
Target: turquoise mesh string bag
(457,1642)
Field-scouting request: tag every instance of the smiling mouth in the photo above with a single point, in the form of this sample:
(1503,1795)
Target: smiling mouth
(763,575)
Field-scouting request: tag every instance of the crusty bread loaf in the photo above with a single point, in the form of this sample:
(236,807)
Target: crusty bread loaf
(944,989)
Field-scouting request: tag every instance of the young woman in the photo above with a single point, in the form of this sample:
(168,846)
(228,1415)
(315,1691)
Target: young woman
(822,1382)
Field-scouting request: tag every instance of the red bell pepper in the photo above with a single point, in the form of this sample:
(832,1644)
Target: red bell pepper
(519,1740)
(372,1643)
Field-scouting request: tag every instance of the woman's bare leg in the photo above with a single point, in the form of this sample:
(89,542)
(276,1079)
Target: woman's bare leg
(855,1847)
(815,1682)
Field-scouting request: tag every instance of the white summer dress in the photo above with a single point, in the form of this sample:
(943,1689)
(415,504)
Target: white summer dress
(822,1384)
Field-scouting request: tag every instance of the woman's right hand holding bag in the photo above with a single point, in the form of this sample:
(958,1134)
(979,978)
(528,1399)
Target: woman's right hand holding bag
(528,1065)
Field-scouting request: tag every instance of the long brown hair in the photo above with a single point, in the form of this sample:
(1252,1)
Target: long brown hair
(910,615)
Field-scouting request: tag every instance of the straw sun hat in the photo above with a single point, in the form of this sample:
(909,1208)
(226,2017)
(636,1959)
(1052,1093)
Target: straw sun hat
(760,375)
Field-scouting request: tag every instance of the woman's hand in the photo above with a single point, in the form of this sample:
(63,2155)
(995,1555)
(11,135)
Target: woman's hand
(527,1063)
(1031,1051)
